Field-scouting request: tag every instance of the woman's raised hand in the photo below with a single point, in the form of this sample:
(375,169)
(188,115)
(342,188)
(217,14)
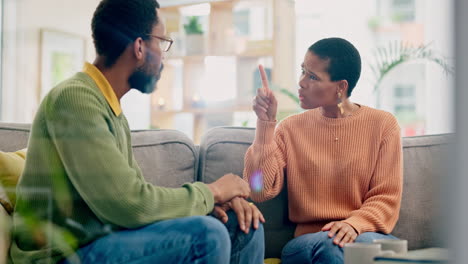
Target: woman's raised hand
(264,103)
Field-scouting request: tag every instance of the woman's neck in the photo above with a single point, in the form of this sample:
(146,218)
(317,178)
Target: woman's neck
(333,111)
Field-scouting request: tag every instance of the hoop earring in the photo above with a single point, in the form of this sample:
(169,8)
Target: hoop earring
(340,104)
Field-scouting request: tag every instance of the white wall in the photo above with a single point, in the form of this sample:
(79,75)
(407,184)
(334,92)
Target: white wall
(440,88)
(23,21)
(317,19)
(21,78)
(349,19)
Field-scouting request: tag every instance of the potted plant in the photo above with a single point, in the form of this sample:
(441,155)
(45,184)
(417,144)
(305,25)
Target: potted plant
(194,36)
(394,54)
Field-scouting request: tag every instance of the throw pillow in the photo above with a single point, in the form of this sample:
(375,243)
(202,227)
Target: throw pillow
(11,168)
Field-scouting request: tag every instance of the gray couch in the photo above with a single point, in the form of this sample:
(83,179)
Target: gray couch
(169,158)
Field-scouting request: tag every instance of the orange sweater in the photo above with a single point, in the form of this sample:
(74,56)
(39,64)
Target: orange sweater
(338,169)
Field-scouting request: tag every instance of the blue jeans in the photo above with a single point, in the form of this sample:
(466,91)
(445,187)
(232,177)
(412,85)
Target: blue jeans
(318,248)
(196,239)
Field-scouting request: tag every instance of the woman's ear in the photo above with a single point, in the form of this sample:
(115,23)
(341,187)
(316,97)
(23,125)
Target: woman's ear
(343,87)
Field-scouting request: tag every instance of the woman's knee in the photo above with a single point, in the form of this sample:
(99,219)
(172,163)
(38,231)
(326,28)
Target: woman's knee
(310,246)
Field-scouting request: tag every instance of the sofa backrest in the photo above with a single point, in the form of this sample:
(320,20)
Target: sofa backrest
(13,137)
(166,157)
(425,170)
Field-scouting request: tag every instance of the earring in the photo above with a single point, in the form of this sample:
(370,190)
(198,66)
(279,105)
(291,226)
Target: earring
(340,104)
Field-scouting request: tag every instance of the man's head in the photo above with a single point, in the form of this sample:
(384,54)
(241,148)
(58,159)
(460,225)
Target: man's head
(131,26)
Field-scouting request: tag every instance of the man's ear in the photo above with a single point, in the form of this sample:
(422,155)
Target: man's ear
(139,49)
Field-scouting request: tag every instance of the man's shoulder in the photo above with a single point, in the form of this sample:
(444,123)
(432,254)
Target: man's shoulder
(73,89)
(76,95)
(77,83)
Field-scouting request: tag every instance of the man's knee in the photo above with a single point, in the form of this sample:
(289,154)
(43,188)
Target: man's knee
(238,237)
(211,231)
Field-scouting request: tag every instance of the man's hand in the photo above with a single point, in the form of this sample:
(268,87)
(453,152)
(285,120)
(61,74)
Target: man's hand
(228,187)
(246,213)
(343,231)
(264,103)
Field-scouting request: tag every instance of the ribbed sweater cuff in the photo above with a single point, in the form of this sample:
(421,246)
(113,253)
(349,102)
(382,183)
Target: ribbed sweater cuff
(209,198)
(265,132)
(358,224)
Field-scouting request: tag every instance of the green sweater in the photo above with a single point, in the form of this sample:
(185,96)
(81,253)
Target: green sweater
(81,180)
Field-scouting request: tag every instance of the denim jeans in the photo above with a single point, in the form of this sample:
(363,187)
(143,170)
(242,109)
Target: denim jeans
(196,239)
(318,248)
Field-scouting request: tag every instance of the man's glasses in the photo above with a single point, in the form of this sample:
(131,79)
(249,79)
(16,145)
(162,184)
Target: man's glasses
(164,43)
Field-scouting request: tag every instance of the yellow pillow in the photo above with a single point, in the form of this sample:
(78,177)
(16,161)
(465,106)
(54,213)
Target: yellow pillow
(272,261)
(11,168)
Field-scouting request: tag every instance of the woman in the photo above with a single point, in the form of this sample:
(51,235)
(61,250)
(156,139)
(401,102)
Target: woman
(343,161)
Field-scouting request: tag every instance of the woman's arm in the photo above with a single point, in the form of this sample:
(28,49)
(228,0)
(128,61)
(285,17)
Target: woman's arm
(381,207)
(265,161)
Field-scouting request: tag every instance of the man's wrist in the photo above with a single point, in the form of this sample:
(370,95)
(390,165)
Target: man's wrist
(214,190)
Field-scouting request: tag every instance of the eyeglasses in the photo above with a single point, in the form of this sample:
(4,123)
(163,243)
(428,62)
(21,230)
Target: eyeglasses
(164,43)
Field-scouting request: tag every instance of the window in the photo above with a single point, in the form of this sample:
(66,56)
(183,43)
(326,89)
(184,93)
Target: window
(405,99)
(404,108)
(403,10)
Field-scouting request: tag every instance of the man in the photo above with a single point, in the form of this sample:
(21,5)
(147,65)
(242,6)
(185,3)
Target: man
(101,209)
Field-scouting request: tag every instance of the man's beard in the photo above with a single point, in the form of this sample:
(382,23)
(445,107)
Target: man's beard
(143,81)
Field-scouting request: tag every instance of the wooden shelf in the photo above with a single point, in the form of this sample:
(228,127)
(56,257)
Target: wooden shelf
(240,44)
(202,57)
(181,3)
(206,110)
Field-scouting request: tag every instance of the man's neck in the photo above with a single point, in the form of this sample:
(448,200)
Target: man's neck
(116,76)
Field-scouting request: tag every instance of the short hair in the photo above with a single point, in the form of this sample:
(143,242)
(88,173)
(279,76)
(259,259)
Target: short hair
(118,23)
(344,60)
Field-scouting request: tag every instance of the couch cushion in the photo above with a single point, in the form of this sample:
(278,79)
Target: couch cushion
(222,151)
(425,168)
(167,157)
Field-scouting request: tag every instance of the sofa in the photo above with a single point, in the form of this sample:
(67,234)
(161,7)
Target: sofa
(169,158)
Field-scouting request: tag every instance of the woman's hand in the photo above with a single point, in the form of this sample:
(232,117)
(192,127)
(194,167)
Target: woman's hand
(246,213)
(264,103)
(343,231)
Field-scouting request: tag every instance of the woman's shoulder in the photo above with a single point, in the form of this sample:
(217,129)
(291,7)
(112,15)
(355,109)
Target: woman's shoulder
(381,118)
(378,115)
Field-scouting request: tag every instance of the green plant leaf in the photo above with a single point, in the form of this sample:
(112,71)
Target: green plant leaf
(193,27)
(394,54)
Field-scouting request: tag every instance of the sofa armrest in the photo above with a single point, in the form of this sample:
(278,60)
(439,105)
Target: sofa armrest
(5,227)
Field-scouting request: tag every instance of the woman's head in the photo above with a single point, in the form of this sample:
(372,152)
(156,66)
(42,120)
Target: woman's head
(331,67)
